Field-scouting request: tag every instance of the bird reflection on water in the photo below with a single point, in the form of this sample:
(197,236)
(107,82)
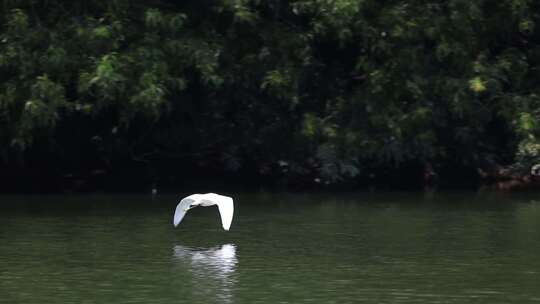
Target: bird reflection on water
(212,270)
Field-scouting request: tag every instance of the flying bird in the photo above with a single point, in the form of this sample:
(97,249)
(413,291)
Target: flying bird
(224,203)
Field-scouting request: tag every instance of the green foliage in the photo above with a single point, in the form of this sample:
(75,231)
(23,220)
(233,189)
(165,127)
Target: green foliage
(17,22)
(332,88)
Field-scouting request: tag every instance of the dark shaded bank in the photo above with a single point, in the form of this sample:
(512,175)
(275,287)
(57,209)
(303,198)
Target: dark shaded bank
(138,177)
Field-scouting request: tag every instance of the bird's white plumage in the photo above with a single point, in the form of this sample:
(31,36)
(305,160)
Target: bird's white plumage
(224,203)
(181,210)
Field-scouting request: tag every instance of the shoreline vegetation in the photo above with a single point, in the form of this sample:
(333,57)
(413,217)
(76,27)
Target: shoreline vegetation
(130,95)
(138,180)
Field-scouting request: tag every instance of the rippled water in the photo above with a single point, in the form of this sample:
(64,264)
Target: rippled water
(282,248)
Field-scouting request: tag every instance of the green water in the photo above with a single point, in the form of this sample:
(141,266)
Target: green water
(282,248)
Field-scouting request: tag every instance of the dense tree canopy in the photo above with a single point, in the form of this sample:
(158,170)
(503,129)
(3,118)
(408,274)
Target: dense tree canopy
(296,92)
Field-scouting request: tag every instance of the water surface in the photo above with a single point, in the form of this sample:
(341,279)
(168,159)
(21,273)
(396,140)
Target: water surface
(282,248)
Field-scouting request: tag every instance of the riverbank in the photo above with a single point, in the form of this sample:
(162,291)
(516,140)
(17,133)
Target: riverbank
(137,178)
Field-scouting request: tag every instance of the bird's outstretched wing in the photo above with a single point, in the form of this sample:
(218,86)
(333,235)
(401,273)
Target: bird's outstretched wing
(181,210)
(226,210)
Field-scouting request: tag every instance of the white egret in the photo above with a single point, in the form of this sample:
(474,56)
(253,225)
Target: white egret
(224,203)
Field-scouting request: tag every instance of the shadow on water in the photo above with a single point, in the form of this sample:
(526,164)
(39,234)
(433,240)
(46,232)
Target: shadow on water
(212,270)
